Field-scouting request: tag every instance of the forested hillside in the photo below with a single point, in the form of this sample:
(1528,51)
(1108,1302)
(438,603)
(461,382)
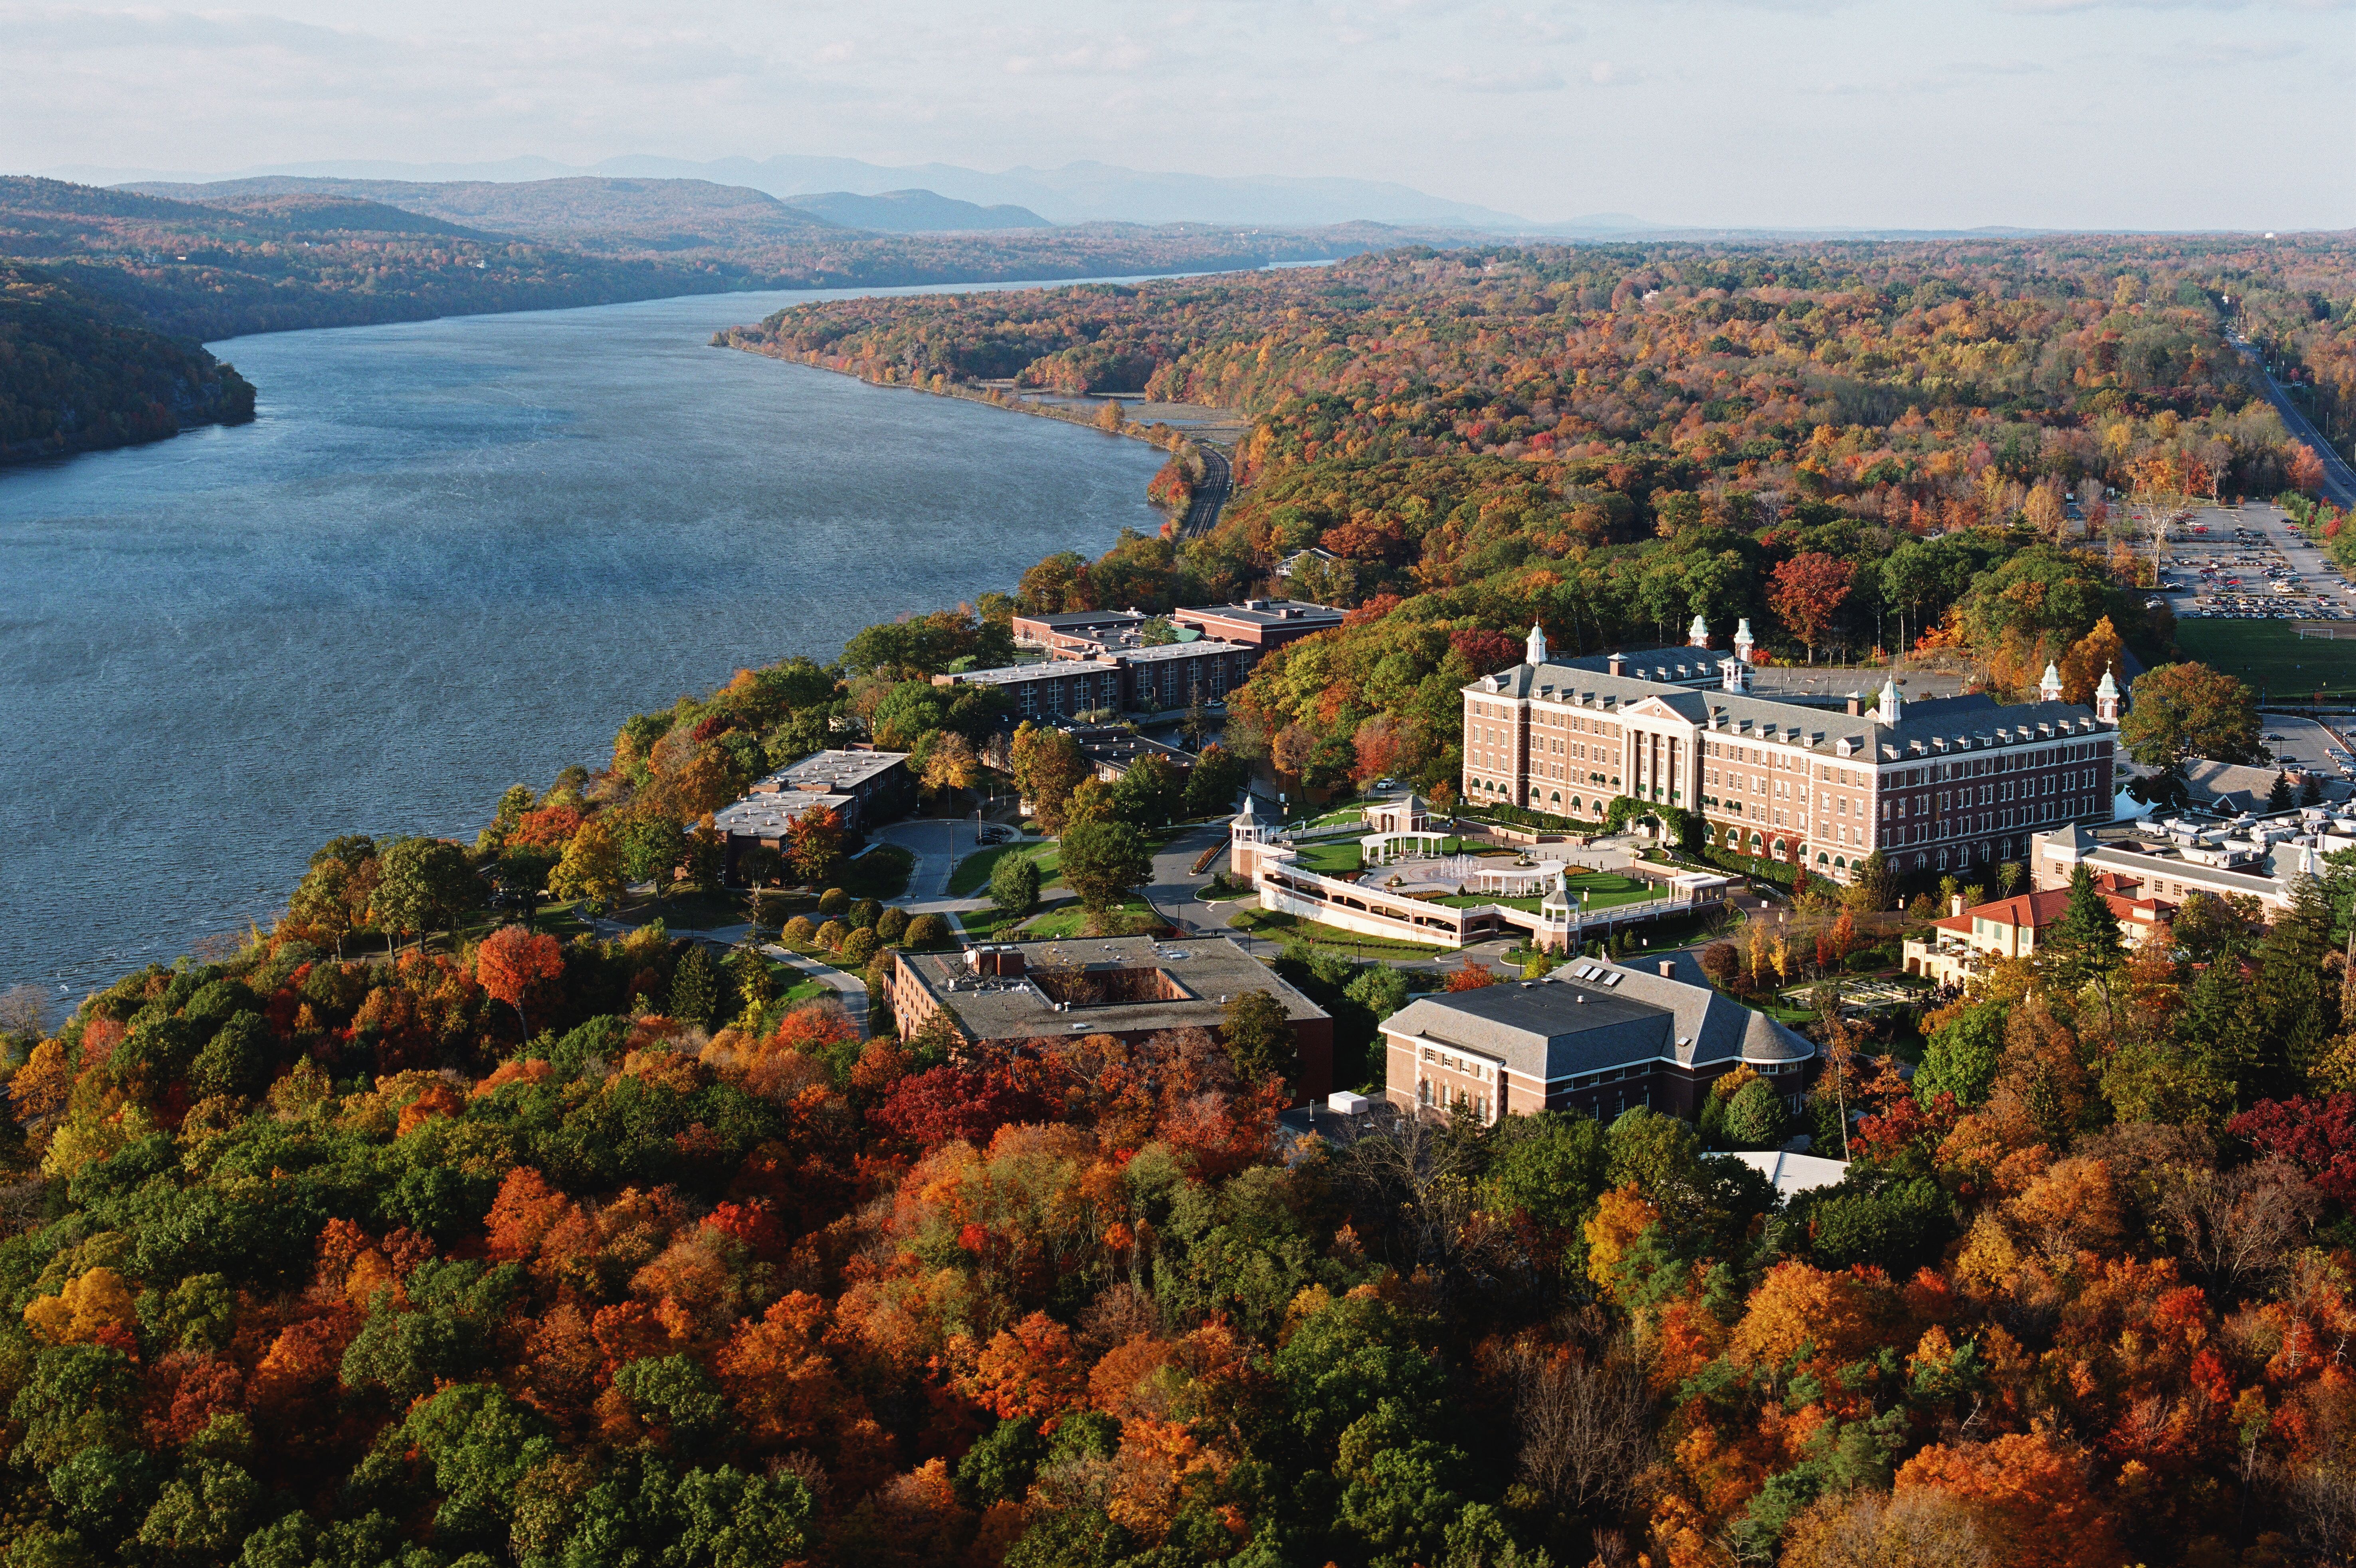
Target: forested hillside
(1854,446)
(78,373)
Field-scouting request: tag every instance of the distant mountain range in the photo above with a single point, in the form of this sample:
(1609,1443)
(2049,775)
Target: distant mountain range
(1074,193)
(914,212)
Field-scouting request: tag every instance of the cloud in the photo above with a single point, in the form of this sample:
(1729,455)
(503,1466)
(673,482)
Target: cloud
(1603,74)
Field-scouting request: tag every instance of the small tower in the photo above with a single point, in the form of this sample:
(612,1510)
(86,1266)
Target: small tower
(1733,674)
(1742,644)
(1698,634)
(2106,699)
(2049,689)
(1247,837)
(1892,706)
(1538,653)
(1558,917)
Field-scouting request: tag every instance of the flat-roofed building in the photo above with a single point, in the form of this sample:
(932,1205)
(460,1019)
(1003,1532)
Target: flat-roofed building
(1076,634)
(2201,858)
(1055,690)
(1262,623)
(1179,675)
(1592,1038)
(1129,987)
(861,789)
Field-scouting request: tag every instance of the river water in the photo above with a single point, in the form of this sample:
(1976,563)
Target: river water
(448,557)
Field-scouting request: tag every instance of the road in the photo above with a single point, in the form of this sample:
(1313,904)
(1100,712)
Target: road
(1203,512)
(2338,479)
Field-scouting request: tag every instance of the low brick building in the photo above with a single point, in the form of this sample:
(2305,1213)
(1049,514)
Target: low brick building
(1129,988)
(1593,1038)
(1261,624)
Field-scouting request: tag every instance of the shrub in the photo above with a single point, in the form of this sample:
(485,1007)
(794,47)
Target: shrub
(858,948)
(833,901)
(799,932)
(892,925)
(928,931)
(830,934)
(865,914)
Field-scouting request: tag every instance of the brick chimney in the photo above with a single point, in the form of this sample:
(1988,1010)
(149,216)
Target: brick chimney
(1855,705)
(1618,664)
(1668,968)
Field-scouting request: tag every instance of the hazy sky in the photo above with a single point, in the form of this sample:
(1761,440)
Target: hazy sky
(1930,113)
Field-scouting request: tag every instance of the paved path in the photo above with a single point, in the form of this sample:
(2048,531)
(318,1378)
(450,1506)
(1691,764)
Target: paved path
(938,843)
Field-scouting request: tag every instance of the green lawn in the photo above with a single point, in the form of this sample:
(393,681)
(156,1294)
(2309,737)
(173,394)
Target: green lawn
(1292,928)
(1605,890)
(1333,859)
(973,873)
(808,991)
(2271,654)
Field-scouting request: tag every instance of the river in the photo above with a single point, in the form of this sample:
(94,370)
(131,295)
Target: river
(448,557)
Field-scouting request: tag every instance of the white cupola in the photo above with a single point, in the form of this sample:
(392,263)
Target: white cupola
(1538,653)
(2049,689)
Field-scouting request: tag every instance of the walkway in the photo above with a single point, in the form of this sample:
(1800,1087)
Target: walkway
(848,989)
(938,843)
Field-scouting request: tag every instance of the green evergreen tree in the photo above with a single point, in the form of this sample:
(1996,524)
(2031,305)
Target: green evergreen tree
(2290,1007)
(2279,798)
(694,987)
(2084,943)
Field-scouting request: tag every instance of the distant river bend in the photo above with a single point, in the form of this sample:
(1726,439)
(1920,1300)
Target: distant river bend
(450,556)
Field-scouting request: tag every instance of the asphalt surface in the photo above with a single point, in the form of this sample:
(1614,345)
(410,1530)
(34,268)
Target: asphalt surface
(2338,478)
(2319,591)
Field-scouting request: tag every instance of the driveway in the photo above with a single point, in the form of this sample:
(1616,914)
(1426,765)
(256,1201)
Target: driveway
(938,843)
(1176,889)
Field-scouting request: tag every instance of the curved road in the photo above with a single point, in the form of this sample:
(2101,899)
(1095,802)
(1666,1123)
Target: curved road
(1203,512)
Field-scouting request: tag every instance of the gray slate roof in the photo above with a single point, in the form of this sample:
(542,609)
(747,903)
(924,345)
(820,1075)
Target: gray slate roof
(1542,1030)
(1933,719)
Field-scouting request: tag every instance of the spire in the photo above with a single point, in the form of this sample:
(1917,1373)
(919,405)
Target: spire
(1742,639)
(1698,634)
(2049,689)
(1538,644)
(1889,712)
(2106,699)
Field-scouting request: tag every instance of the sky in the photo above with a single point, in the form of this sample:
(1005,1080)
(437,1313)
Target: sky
(1929,114)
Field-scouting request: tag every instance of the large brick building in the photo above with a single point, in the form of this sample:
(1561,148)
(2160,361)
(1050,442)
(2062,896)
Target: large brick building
(1261,624)
(1944,783)
(1592,1038)
(1129,987)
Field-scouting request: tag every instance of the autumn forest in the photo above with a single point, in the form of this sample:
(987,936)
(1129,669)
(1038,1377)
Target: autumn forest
(413,1230)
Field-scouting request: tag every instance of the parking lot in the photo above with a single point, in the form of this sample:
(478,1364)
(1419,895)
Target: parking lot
(2249,564)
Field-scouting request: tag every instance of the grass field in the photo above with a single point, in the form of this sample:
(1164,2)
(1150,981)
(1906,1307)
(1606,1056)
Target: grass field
(972,873)
(1292,928)
(2271,654)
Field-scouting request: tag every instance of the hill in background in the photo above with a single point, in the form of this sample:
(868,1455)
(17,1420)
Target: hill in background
(914,212)
(78,372)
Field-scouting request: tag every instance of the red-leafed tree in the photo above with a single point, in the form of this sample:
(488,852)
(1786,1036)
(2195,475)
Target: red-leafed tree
(2305,468)
(814,841)
(949,1103)
(1807,590)
(512,961)
(1470,975)
(1486,651)
(2317,1135)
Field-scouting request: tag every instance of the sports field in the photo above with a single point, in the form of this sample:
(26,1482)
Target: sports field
(2273,655)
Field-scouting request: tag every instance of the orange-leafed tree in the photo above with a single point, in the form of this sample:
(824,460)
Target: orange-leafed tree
(512,961)
(2028,1491)
(1032,1369)
(1807,592)
(1470,975)
(814,844)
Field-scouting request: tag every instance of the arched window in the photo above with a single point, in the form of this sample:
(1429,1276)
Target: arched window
(1840,863)
(1822,858)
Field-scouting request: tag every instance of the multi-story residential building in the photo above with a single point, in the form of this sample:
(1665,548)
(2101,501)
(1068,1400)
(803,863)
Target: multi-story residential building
(860,788)
(1944,783)
(1057,690)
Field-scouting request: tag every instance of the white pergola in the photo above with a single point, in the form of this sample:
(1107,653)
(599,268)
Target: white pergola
(1389,848)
